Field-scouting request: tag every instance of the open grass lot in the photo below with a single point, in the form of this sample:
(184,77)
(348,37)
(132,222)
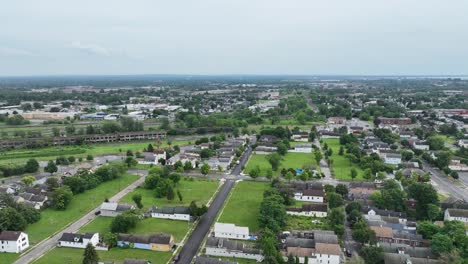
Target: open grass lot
(8,258)
(15,156)
(144,227)
(294,222)
(243,206)
(341,165)
(290,160)
(53,220)
(75,256)
(198,190)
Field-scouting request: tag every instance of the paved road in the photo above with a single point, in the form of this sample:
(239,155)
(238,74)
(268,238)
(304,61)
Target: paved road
(45,245)
(191,246)
(441,182)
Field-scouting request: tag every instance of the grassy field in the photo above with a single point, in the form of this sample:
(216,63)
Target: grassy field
(8,258)
(146,226)
(341,165)
(198,190)
(53,220)
(75,256)
(243,205)
(290,160)
(15,156)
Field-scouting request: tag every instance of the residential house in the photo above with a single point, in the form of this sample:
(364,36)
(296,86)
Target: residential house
(419,144)
(13,241)
(223,247)
(112,209)
(148,158)
(394,121)
(265,150)
(171,212)
(302,148)
(452,214)
(75,240)
(328,134)
(310,195)
(392,158)
(373,213)
(300,136)
(154,242)
(336,120)
(159,154)
(456,165)
(224,230)
(463,143)
(311,210)
(316,252)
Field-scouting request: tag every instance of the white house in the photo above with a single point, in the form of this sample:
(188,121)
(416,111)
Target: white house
(222,247)
(78,240)
(452,214)
(456,165)
(223,230)
(310,210)
(327,253)
(463,143)
(300,136)
(310,195)
(13,241)
(114,209)
(419,144)
(302,148)
(392,158)
(159,154)
(173,213)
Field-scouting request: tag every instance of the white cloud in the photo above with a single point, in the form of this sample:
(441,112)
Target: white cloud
(13,52)
(91,48)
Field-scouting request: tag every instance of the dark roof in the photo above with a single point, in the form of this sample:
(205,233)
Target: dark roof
(170,210)
(216,242)
(9,235)
(313,192)
(310,208)
(206,260)
(458,212)
(154,238)
(300,242)
(75,237)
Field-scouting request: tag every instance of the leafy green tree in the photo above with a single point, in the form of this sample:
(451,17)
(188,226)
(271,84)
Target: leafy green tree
(137,200)
(353,206)
(89,157)
(274,160)
(110,239)
(205,169)
(336,216)
(179,195)
(342,190)
(51,167)
(441,244)
(61,197)
(90,255)
(170,193)
(372,254)
(318,156)
(427,229)
(353,173)
(334,200)
(187,166)
(124,222)
(28,180)
(31,166)
(11,220)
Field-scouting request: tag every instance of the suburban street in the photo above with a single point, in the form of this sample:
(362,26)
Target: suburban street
(442,183)
(41,248)
(192,244)
(190,248)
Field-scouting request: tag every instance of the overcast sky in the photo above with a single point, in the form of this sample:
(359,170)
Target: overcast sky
(372,37)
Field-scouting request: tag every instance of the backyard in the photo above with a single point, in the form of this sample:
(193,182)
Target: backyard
(243,206)
(341,166)
(198,190)
(290,160)
(75,256)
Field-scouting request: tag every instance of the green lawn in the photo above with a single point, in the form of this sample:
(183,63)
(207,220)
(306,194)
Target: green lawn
(8,258)
(198,190)
(75,256)
(243,206)
(144,227)
(53,220)
(341,166)
(290,160)
(48,153)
